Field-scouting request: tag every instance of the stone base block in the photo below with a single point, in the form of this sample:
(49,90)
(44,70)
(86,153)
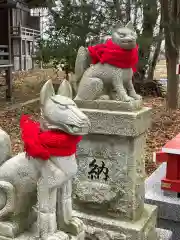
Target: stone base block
(168,203)
(110,178)
(143,229)
(57,236)
(110,105)
(9,229)
(164,234)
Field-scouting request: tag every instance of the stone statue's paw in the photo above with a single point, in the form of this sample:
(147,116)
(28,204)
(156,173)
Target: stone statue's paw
(128,99)
(104,97)
(9,229)
(98,235)
(124,99)
(74,227)
(136,97)
(58,236)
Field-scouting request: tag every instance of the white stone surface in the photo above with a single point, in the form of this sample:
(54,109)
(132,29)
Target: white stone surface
(168,203)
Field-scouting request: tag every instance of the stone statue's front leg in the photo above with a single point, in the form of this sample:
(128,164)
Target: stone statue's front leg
(90,88)
(64,204)
(54,174)
(43,209)
(47,220)
(131,91)
(121,94)
(47,198)
(65,220)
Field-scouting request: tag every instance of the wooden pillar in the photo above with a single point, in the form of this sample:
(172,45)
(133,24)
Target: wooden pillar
(9,69)
(9,36)
(20,48)
(20,55)
(9,83)
(25,55)
(32,54)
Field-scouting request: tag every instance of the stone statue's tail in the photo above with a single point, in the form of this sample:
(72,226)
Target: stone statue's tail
(82,63)
(69,88)
(7,199)
(5,147)
(7,191)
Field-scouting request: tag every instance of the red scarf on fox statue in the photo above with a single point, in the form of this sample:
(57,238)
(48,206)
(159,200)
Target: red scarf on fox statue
(113,54)
(44,144)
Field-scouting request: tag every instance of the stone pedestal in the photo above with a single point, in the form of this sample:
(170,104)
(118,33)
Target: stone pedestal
(32,234)
(168,203)
(109,188)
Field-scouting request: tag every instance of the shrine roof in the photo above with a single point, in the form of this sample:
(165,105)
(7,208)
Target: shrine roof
(173,146)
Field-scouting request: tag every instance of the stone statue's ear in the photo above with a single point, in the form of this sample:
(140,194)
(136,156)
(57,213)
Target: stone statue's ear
(130,25)
(118,25)
(65,89)
(47,91)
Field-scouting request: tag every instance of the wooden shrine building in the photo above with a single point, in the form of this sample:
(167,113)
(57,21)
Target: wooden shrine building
(20,32)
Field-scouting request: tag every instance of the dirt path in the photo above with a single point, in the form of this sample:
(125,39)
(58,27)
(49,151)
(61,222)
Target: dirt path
(165,126)
(27,85)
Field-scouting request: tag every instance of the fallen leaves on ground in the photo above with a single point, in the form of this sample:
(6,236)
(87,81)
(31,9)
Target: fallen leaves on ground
(26,85)
(9,122)
(165,126)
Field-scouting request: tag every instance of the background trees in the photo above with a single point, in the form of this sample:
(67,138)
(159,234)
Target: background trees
(76,23)
(171,24)
(73,23)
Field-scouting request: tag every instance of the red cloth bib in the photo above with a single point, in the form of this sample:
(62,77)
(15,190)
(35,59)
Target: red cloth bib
(44,144)
(113,54)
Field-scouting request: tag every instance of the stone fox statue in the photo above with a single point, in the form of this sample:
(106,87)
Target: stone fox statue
(29,181)
(113,63)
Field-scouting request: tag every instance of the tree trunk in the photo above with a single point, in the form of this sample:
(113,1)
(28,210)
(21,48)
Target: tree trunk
(150,15)
(156,55)
(170,19)
(117,6)
(135,15)
(128,11)
(173,81)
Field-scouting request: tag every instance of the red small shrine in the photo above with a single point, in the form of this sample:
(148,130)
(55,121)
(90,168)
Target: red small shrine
(171,154)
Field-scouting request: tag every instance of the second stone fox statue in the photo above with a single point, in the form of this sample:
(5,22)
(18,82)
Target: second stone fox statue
(113,64)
